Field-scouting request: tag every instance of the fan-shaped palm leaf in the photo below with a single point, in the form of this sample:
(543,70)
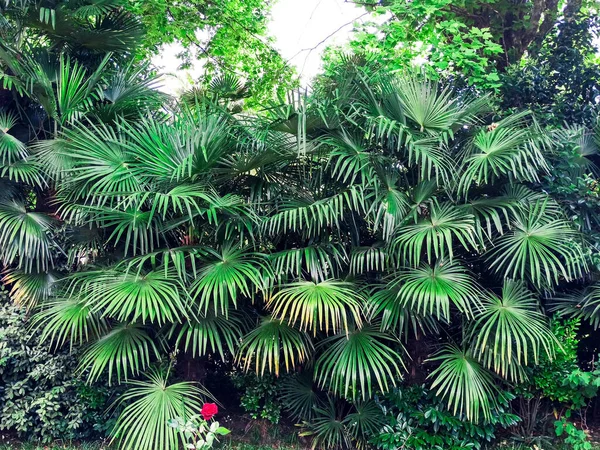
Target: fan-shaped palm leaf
(209,334)
(320,261)
(463,383)
(353,365)
(310,217)
(366,421)
(435,235)
(540,248)
(321,306)
(25,237)
(510,328)
(149,297)
(327,428)
(432,289)
(29,289)
(584,304)
(435,109)
(11,149)
(264,347)
(298,396)
(508,149)
(68,319)
(227,274)
(491,215)
(368,259)
(349,159)
(389,210)
(150,405)
(384,306)
(126,350)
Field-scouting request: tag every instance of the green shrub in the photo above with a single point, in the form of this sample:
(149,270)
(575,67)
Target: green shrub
(259,395)
(418,420)
(40,397)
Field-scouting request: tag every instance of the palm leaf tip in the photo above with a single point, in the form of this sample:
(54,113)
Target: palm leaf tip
(274,342)
(354,365)
(324,306)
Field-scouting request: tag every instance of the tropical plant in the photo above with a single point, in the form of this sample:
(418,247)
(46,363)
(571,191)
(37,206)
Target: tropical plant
(332,239)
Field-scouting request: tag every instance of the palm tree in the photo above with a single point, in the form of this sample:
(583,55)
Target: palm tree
(192,228)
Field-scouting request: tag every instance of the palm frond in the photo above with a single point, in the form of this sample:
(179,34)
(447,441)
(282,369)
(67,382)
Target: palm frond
(150,405)
(463,383)
(209,334)
(356,364)
(584,304)
(435,235)
(384,306)
(68,319)
(431,289)
(510,329)
(272,343)
(510,148)
(147,297)
(29,289)
(310,218)
(25,238)
(323,306)
(227,274)
(125,351)
(298,396)
(319,261)
(327,428)
(540,248)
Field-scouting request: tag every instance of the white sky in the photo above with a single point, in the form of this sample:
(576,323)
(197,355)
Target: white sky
(297,26)
(301,25)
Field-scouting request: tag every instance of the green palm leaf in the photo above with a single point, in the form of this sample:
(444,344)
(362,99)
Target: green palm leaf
(29,289)
(150,297)
(463,383)
(25,237)
(227,274)
(209,334)
(510,148)
(327,428)
(70,319)
(125,350)
(366,421)
(319,261)
(430,290)
(510,329)
(368,259)
(384,306)
(11,149)
(435,235)
(321,306)
(434,109)
(150,405)
(298,396)
(583,304)
(272,343)
(540,248)
(311,217)
(353,365)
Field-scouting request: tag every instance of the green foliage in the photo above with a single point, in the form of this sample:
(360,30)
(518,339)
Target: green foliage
(150,405)
(229,37)
(259,395)
(384,227)
(417,419)
(41,397)
(199,434)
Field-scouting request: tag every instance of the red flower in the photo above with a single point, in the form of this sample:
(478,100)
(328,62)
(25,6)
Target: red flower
(209,410)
